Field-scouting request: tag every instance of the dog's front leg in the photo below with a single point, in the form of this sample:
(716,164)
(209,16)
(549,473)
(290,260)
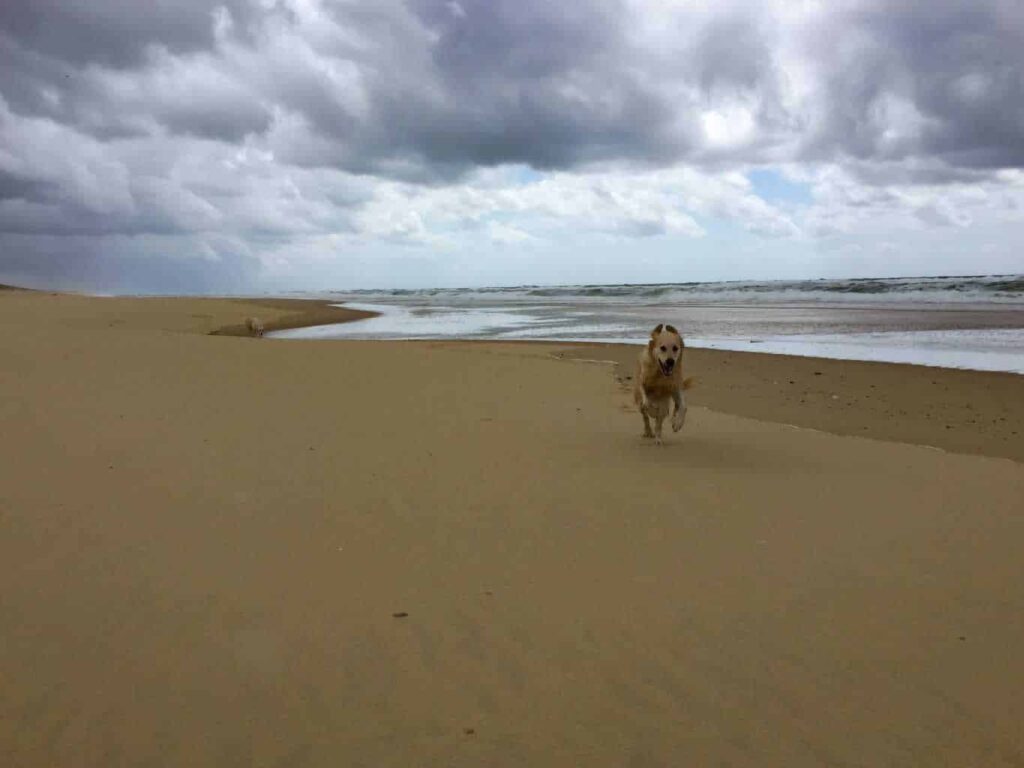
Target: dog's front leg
(644,406)
(658,420)
(679,417)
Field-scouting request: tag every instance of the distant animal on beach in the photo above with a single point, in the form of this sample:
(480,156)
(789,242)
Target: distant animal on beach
(659,381)
(254,325)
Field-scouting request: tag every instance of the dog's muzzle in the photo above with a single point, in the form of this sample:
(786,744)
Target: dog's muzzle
(667,366)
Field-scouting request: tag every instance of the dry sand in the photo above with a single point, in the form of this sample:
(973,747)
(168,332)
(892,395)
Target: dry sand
(204,542)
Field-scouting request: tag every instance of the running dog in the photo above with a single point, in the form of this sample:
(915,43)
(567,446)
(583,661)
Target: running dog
(659,381)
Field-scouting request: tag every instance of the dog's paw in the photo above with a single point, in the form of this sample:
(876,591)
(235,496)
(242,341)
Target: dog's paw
(678,420)
(647,435)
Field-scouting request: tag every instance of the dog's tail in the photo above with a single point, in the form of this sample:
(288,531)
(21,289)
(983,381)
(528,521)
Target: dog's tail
(689,381)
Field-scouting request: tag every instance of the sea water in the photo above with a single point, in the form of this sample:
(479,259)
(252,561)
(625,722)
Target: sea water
(960,322)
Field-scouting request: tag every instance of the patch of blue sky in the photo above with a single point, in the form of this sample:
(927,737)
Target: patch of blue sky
(773,187)
(524,174)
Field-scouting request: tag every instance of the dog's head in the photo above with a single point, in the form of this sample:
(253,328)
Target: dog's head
(666,347)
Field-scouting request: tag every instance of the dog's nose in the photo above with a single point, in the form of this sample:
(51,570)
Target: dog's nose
(670,363)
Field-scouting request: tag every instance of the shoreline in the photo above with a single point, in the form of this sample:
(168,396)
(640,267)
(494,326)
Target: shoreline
(977,339)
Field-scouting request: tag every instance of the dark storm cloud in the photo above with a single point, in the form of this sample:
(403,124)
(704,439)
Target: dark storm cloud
(523,82)
(732,55)
(941,80)
(444,87)
(124,103)
(13,187)
(438,86)
(114,33)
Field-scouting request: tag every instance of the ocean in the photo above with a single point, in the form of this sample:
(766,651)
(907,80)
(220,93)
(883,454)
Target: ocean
(974,322)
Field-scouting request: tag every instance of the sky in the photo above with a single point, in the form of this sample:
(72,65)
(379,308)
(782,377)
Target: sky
(278,145)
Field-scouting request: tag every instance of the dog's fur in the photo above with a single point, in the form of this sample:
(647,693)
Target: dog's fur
(659,381)
(254,325)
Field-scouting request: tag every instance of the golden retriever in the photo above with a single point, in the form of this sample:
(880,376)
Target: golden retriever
(659,381)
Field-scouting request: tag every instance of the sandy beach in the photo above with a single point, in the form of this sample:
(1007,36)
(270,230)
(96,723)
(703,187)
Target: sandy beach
(223,551)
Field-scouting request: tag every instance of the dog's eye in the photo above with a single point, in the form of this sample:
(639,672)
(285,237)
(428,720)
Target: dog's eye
(675,349)
(663,349)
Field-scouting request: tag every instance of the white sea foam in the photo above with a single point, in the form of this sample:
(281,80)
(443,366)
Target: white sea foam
(985,290)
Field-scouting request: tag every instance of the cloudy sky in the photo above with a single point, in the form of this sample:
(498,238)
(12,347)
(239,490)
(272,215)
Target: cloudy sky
(181,145)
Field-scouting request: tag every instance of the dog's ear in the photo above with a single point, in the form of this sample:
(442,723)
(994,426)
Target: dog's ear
(671,329)
(654,335)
